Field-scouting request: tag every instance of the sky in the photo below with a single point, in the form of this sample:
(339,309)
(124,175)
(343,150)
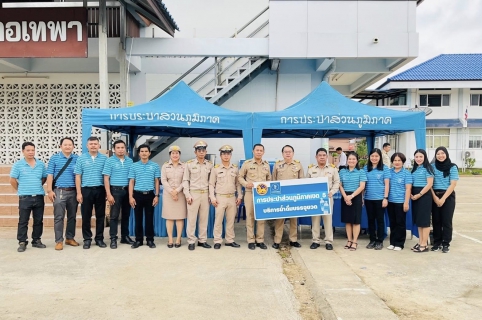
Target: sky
(446,26)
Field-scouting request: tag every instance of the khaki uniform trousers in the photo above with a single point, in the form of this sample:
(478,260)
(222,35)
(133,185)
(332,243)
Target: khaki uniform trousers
(248,203)
(228,205)
(278,229)
(327,223)
(200,204)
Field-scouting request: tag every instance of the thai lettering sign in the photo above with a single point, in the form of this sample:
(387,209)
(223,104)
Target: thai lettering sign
(43,33)
(291,198)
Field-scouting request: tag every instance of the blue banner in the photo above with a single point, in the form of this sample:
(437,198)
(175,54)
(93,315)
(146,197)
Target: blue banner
(291,198)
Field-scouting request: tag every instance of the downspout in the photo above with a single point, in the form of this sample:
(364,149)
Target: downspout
(276,90)
(329,71)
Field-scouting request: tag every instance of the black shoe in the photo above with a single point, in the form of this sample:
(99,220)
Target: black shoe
(251,246)
(151,244)
(136,245)
(371,245)
(191,246)
(329,246)
(217,246)
(177,245)
(232,244)
(87,244)
(262,245)
(204,245)
(295,244)
(127,240)
(100,243)
(379,246)
(314,245)
(445,249)
(436,248)
(170,245)
(38,244)
(275,245)
(113,244)
(22,246)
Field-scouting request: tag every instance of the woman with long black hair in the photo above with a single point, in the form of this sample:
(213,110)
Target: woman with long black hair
(376,197)
(443,195)
(422,176)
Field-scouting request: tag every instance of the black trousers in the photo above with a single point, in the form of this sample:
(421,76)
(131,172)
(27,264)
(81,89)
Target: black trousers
(144,205)
(121,205)
(27,205)
(376,220)
(442,219)
(93,197)
(398,222)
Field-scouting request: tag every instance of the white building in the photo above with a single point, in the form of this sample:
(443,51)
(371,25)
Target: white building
(448,86)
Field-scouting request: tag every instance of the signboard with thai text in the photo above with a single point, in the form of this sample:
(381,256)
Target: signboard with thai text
(43,33)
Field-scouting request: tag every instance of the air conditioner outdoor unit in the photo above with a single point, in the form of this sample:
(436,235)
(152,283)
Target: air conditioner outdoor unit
(468,154)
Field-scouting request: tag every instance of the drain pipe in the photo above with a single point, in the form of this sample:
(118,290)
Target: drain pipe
(329,71)
(276,90)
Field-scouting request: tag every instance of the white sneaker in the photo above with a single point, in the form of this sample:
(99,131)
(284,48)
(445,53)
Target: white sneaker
(397,249)
(390,247)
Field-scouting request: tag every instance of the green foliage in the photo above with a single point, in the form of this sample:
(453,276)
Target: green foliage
(469,162)
(362,151)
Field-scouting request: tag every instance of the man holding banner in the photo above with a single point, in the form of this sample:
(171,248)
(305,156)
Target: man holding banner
(321,169)
(284,170)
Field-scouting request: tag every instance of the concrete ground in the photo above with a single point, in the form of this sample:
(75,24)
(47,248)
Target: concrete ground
(239,283)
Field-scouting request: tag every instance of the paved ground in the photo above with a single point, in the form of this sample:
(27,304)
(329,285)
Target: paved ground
(239,283)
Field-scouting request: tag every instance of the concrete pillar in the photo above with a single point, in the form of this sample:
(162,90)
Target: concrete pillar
(103,71)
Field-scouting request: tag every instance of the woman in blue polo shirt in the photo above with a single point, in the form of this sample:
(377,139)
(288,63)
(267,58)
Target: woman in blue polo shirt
(422,176)
(443,195)
(398,201)
(376,198)
(352,184)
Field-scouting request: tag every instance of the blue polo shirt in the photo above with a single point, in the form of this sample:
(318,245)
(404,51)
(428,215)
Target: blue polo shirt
(144,175)
(29,179)
(91,169)
(398,185)
(350,180)
(56,163)
(118,170)
(375,187)
(419,177)
(441,183)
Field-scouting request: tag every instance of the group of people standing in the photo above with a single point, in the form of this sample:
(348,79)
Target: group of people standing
(191,187)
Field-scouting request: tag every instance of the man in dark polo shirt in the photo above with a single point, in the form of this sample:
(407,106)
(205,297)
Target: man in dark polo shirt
(61,191)
(27,177)
(89,183)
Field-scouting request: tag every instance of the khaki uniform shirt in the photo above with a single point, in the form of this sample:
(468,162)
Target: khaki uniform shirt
(171,176)
(285,171)
(315,171)
(252,171)
(386,158)
(224,180)
(196,176)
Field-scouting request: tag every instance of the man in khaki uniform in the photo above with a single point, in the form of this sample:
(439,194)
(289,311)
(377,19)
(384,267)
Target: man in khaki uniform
(223,186)
(322,169)
(287,169)
(196,187)
(254,170)
(385,156)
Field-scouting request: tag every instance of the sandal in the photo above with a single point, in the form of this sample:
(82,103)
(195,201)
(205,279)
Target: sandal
(352,248)
(170,245)
(348,244)
(177,245)
(421,249)
(415,247)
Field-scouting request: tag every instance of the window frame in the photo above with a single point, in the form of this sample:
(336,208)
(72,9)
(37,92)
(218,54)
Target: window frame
(436,134)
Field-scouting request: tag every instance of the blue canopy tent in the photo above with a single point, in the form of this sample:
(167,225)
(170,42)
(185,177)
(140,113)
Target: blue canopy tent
(325,113)
(181,112)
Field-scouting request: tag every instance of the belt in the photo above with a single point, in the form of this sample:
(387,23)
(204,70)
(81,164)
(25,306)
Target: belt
(65,189)
(118,187)
(199,191)
(227,195)
(32,195)
(94,187)
(143,192)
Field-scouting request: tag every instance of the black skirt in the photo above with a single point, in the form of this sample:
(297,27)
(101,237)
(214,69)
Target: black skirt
(421,208)
(351,214)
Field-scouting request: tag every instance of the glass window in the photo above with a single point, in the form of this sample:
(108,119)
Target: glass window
(446,99)
(438,138)
(434,100)
(475,142)
(476,99)
(423,100)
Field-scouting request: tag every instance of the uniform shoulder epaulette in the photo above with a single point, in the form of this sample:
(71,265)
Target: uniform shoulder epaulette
(277,161)
(249,160)
(234,165)
(209,161)
(297,161)
(311,166)
(216,166)
(166,162)
(189,161)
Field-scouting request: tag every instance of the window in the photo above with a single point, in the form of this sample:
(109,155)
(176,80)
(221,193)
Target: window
(398,101)
(476,100)
(438,138)
(434,100)
(475,138)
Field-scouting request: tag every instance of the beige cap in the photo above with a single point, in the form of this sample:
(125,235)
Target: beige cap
(226,148)
(200,144)
(174,148)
